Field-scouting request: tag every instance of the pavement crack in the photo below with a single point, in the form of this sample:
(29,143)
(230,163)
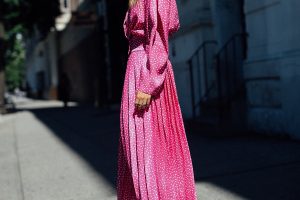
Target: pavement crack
(16,145)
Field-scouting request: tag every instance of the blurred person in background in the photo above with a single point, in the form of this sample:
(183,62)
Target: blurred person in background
(64,89)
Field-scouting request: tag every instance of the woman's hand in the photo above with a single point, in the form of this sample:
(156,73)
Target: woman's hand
(142,100)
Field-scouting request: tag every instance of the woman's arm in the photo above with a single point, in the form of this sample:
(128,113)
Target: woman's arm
(152,76)
(174,19)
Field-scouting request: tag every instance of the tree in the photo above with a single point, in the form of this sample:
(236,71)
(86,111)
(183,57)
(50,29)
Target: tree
(21,17)
(2,80)
(30,14)
(14,69)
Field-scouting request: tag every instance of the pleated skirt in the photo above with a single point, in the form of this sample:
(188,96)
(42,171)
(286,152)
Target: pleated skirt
(154,161)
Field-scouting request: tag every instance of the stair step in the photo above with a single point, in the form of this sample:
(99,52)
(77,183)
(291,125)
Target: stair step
(209,126)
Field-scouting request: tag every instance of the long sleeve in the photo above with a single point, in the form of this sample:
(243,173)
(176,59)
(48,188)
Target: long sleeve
(174,19)
(153,74)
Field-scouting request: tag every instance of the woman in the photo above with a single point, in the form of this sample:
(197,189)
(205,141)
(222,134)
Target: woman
(154,161)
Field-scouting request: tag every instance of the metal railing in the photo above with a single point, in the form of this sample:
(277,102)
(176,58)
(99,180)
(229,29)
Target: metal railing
(219,76)
(200,58)
(229,69)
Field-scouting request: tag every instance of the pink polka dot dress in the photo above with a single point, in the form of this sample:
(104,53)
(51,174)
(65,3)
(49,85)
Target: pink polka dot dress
(154,161)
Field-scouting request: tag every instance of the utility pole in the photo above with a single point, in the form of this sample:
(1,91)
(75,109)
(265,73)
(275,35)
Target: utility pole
(2,78)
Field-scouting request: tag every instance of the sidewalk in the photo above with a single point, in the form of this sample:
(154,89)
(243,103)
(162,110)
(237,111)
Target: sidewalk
(51,153)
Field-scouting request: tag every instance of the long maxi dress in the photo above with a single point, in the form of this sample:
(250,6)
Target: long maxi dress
(154,161)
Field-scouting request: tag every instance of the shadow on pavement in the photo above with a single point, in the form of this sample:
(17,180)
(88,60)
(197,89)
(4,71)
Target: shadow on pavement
(92,133)
(253,167)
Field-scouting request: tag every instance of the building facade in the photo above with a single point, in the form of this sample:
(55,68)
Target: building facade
(266,67)
(235,61)
(87,40)
(272,68)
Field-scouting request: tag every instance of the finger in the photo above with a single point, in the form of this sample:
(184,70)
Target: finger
(139,103)
(136,100)
(144,103)
(148,101)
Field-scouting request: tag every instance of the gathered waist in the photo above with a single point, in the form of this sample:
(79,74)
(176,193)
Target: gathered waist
(136,48)
(136,44)
(139,42)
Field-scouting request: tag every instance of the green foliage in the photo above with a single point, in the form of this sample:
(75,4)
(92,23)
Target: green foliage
(21,17)
(12,2)
(30,13)
(15,56)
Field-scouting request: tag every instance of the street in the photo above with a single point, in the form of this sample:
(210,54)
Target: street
(51,153)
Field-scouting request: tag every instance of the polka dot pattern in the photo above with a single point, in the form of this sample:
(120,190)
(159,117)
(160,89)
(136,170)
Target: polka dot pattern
(154,160)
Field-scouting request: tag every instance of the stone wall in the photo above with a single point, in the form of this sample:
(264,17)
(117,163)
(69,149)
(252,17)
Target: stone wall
(273,66)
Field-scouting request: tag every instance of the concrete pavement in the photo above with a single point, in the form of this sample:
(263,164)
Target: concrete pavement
(51,153)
